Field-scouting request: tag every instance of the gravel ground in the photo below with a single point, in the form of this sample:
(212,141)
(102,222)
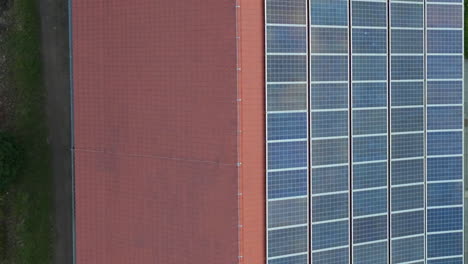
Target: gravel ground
(56,75)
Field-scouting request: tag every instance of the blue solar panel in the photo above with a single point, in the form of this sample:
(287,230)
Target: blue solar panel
(287,212)
(321,238)
(369,127)
(370,175)
(410,171)
(407,124)
(364,131)
(445,219)
(369,94)
(287,183)
(444,92)
(371,253)
(408,249)
(287,131)
(368,202)
(329,179)
(407,94)
(329,124)
(408,224)
(444,168)
(445,244)
(338,255)
(287,241)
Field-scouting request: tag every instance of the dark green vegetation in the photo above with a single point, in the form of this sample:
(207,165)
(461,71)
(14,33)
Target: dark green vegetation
(26,208)
(10,160)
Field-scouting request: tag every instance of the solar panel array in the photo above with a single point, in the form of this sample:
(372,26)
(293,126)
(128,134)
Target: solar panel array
(444,123)
(370,134)
(407,131)
(329,124)
(287,132)
(364,131)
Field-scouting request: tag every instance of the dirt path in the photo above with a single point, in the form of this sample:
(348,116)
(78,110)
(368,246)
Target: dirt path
(56,74)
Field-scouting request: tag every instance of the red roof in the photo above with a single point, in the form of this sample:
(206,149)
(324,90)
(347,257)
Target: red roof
(155,117)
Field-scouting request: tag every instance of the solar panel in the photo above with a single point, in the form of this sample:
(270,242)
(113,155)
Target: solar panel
(329,123)
(287,132)
(407,131)
(369,130)
(444,122)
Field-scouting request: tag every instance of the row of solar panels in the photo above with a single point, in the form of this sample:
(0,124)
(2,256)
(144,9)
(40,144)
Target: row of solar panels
(364,131)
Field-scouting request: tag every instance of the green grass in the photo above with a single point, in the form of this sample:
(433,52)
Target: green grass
(27,235)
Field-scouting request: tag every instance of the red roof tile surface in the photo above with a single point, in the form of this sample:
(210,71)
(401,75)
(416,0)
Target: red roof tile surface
(156,122)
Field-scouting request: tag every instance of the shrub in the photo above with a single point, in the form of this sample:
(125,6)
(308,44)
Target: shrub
(10,160)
